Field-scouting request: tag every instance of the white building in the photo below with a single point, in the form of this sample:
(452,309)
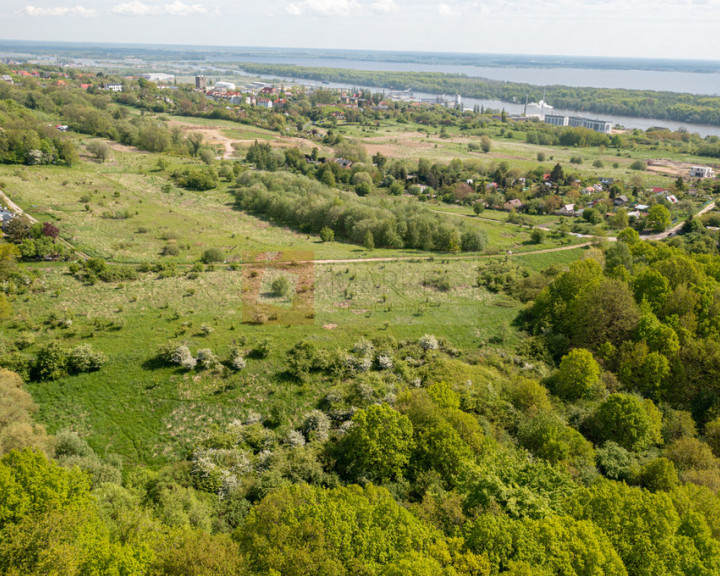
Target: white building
(114,87)
(701,172)
(579,122)
(556,120)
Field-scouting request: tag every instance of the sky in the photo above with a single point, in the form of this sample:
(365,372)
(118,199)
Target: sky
(684,29)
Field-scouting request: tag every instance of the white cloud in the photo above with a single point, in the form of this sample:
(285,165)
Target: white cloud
(447,10)
(176,8)
(385,6)
(324,7)
(59,11)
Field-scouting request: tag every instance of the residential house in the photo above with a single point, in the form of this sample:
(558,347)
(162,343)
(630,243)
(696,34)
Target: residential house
(620,201)
(567,210)
(5,217)
(514,204)
(607,181)
(114,87)
(701,172)
(264,103)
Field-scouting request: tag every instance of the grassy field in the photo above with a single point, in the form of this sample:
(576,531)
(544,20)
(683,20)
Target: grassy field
(124,211)
(119,211)
(149,413)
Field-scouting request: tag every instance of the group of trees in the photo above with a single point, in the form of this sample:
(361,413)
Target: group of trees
(391,223)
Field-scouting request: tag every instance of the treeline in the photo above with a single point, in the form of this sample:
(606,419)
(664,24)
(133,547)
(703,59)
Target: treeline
(680,107)
(309,206)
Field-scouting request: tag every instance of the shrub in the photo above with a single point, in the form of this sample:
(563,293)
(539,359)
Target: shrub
(50,362)
(212,255)
(170,250)
(537,236)
(183,357)
(280,286)
(316,426)
(638,165)
(68,443)
(263,348)
(84,359)
(428,342)
(327,234)
(237,362)
(206,359)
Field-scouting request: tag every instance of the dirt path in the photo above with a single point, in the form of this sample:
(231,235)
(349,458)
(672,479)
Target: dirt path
(20,212)
(433,257)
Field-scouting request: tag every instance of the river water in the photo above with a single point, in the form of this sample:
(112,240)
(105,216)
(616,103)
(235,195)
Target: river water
(671,81)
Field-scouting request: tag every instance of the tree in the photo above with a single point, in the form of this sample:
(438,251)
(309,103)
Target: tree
(578,376)
(327,234)
(629,421)
(378,446)
(99,149)
(641,525)
(369,240)
(659,218)
(557,174)
(478,207)
(485,143)
(604,312)
(300,530)
(537,236)
(18,229)
(379,160)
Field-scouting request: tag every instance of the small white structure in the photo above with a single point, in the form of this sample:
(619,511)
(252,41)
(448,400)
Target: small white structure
(264,103)
(701,172)
(114,87)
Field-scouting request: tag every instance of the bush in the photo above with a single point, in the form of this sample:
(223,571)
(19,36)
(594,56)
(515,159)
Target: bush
(84,359)
(206,359)
(280,286)
(183,357)
(428,342)
(68,443)
(576,160)
(212,256)
(263,348)
(537,236)
(170,250)
(50,363)
(327,234)
(237,362)
(638,165)
(316,426)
